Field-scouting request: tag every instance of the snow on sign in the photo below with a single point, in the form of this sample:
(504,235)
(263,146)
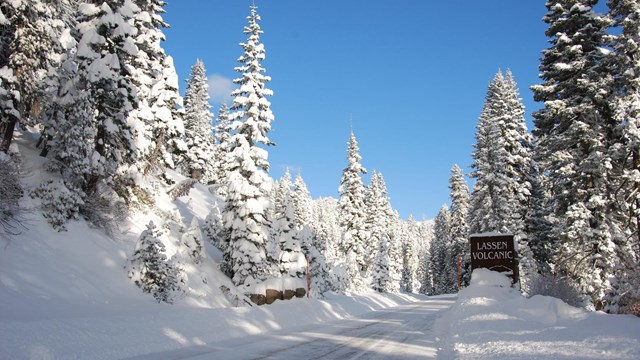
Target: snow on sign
(494,252)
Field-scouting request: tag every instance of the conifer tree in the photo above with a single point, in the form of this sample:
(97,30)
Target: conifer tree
(574,131)
(197,122)
(459,229)
(248,185)
(501,161)
(302,202)
(625,64)
(31,36)
(160,132)
(378,223)
(222,137)
(352,214)
(104,56)
(438,252)
(149,268)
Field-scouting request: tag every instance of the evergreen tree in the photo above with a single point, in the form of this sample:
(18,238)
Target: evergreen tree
(222,138)
(438,252)
(574,131)
(302,202)
(625,64)
(248,185)
(459,230)
(197,123)
(191,246)
(352,214)
(160,130)
(377,223)
(104,56)
(285,231)
(501,161)
(31,44)
(149,268)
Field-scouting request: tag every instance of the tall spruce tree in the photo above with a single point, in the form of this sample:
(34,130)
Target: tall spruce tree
(160,133)
(575,131)
(502,161)
(104,56)
(438,249)
(459,229)
(31,45)
(378,221)
(352,215)
(248,185)
(197,162)
(625,64)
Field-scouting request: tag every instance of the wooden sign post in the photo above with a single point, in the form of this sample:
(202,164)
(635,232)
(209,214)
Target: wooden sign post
(495,252)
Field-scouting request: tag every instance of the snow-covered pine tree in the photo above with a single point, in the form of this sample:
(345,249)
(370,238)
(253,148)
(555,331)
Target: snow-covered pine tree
(625,64)
(104,57)
(149,268)
(191,246)
(221,140)
(248,185)
(285,232)
(574,131)
(501,161)
(197,162)
(30,46)
(353,244)
(160,131)
(459,229)
(438,250)
(302,202)
(377,225)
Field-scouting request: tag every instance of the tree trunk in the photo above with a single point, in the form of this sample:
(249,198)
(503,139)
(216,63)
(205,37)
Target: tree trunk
(8,134)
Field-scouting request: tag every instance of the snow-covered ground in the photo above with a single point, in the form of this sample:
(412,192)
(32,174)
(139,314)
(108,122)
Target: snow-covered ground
(491,320)
(67,296)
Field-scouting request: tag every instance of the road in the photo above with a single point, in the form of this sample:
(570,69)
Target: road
(404,332)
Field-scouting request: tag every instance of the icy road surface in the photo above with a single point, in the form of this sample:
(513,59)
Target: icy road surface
(403,332)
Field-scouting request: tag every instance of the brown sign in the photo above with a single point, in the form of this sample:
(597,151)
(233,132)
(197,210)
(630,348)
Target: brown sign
(495,252)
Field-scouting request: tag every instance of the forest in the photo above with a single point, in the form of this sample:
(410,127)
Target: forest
(92,79)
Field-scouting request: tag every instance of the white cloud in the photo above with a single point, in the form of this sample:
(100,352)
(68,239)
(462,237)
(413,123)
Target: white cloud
(220,88)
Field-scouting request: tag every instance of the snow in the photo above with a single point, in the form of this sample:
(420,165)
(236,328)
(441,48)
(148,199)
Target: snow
(491,320)
(66,295)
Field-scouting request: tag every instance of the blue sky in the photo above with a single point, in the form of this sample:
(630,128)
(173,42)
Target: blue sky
(412,75)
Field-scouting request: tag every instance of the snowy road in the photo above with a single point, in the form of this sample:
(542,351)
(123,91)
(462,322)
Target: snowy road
(404,332)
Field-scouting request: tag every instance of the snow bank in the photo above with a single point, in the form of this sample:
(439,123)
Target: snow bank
(492,320)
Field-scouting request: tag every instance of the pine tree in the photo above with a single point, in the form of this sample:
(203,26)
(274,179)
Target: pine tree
(574,131)
(438,252)
(160,135)
(191,246)
(285,230)
(501,161)
(459,230)
(30,46)
(377,224)
(248,185)
(302,202)
(625,64)
(197,122)
(222,138)
(352,213)
(149,268)
(104,56)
